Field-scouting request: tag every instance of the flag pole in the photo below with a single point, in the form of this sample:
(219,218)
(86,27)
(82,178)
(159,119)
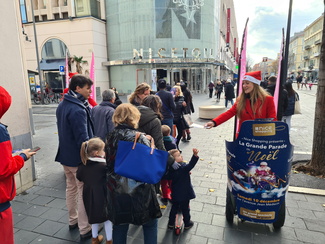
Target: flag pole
(241,70)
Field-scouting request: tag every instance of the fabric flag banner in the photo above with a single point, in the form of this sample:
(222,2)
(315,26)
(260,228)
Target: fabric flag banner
(278,83)
(92,77)
(242,71)
(66,70)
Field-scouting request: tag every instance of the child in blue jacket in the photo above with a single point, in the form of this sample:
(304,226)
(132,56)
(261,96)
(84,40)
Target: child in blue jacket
(182,189)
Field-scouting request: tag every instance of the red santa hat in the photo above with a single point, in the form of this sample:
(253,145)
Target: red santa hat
(254,77)
(72,74)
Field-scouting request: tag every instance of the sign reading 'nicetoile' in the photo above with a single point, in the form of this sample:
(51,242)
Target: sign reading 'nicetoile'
(175,52)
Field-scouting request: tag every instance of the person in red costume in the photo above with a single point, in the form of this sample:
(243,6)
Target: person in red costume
(9,166)
(253,103)
(91,101)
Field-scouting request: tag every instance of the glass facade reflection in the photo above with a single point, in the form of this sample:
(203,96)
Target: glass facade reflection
(172,39)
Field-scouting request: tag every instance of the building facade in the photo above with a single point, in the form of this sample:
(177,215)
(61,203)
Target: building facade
(171,39)
(76,27)
(296,54)
(13,79)
(312,45)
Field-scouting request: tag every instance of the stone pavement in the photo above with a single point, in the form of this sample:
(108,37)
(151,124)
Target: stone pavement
(40,214)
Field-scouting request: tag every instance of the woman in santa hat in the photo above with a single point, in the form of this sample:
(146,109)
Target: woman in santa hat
(253,103)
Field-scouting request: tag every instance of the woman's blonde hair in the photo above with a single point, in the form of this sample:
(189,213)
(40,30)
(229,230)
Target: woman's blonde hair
(179,89)
(256,94)
(88,148)
(140,89)
(128,114)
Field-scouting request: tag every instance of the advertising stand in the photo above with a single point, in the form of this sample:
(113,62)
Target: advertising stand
(259,166)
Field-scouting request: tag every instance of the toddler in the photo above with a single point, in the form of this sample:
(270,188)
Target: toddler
(182,189)
(92,172)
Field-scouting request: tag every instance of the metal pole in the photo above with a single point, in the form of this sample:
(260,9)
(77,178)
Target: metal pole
(37,55)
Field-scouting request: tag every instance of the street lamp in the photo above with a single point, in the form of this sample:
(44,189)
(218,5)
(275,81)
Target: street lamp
(37,55)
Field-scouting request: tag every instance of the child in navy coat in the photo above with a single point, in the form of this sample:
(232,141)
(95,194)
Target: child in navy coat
(182,189)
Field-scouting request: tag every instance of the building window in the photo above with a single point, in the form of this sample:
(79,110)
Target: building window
(54,49)
(35,4)
(65,15)
(44,17)
(23,11)
(95,8)
(65,2)
(36,18)
(56,16)
(80,6)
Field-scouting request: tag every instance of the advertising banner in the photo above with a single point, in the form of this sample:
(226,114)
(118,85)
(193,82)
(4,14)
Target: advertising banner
(259,166)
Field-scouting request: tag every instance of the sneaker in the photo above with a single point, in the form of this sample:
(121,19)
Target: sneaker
(189,137)
(189,225)
(184,140)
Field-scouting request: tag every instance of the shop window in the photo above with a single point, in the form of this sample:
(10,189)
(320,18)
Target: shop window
(65,15)
(56,16)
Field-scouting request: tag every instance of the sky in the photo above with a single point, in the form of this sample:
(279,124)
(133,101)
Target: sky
(266,20)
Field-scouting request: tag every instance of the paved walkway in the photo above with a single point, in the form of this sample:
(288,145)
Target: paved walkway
(40,214)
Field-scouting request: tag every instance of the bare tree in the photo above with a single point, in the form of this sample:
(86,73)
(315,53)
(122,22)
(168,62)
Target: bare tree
(316,165)
(249,63)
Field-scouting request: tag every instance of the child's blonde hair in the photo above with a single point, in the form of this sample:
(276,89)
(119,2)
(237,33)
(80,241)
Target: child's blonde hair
(173,151)
(89,147)
(165,129)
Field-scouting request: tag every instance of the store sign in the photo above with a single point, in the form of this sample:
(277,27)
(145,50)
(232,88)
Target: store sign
(175,53)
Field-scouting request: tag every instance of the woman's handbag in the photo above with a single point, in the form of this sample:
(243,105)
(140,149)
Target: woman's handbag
(297,105)
(188,119)
(140,162)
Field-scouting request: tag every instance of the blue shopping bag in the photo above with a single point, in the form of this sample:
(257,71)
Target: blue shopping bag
(140,162)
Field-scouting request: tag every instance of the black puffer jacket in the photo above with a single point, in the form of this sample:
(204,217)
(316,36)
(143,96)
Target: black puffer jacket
(151,125)
(179,111)
(128,201)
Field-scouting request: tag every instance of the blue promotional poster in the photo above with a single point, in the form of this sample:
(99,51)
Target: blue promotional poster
(259,166)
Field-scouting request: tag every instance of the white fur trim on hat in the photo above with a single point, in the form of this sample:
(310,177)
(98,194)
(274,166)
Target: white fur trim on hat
(252,79)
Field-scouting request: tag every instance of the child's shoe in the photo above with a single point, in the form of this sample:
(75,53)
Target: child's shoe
(171,226)
(189,225)
(97,240)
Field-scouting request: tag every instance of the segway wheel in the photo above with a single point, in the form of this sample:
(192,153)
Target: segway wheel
(281,217)
(230,209)
(177,230)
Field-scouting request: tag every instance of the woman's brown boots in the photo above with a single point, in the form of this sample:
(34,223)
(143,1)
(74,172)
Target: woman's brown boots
(97,240)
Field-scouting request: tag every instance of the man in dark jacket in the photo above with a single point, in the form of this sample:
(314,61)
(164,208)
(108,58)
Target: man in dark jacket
(9,166)
(283,94)
(168,104)
(74,127)
(229,93)
(102,114)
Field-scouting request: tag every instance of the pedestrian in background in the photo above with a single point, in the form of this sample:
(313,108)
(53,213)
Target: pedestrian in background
(219,90)
(168,104)
(102,114)
(92,172)
(299,80)
(229,93)
(117,97)
(211,88)
(283,101)
(189,108)
(9,166)
(140,92)
(292,97)
(253,103)
(74,127)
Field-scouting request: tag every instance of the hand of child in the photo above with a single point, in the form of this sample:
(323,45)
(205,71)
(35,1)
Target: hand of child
(175,165)
(195,152)
(28,153)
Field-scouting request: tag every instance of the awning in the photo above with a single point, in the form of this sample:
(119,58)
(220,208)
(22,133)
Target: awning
(51,64)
